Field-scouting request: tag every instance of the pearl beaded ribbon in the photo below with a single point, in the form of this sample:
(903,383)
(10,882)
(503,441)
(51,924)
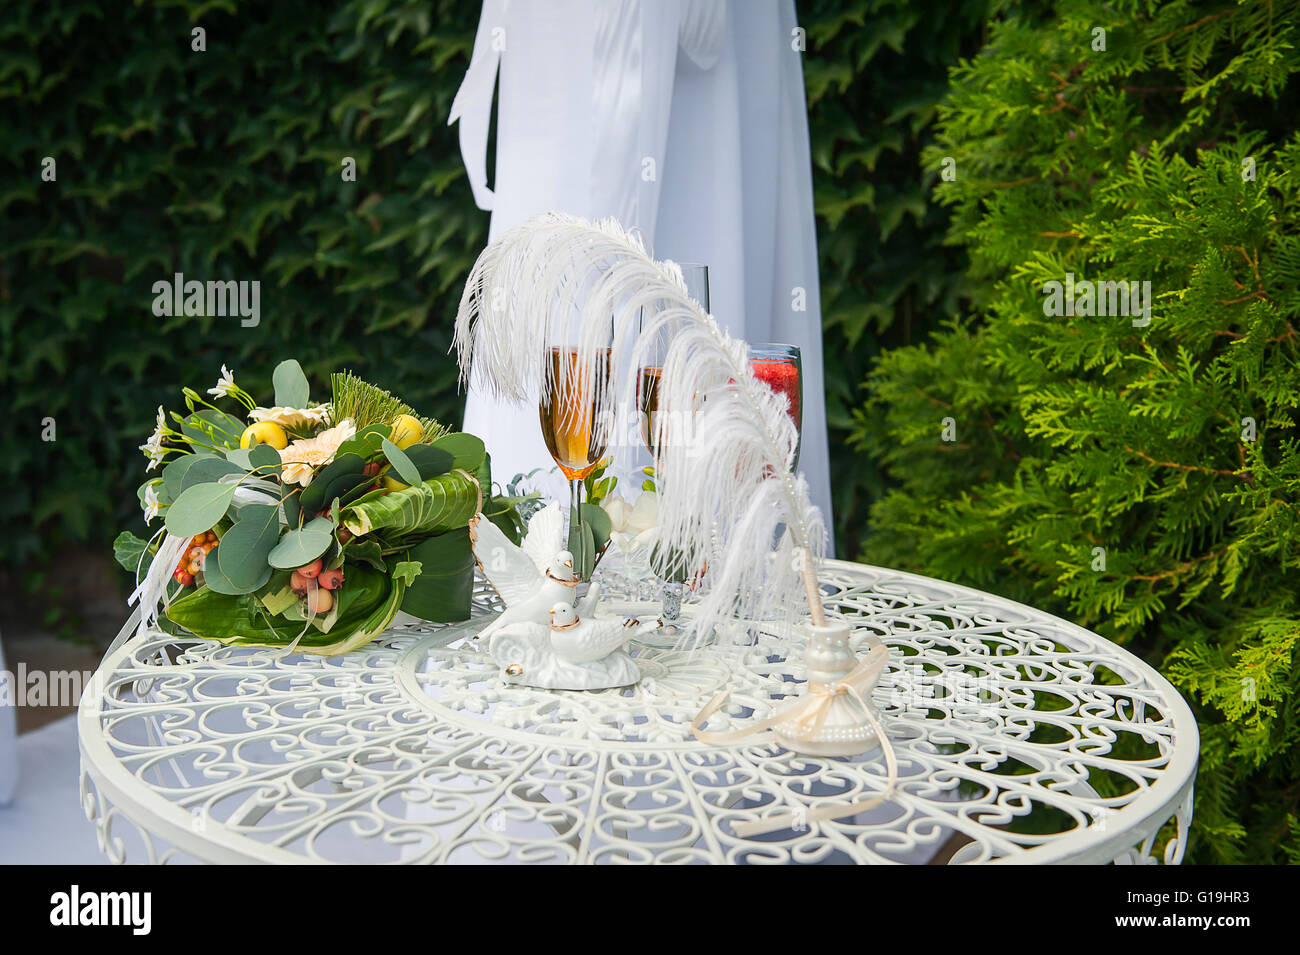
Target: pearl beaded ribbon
(805,720)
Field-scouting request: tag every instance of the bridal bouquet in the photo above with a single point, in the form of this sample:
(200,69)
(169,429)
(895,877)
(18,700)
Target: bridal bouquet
(304,523)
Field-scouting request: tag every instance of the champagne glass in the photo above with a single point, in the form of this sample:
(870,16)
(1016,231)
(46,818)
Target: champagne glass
(780,367)
(648,382)
(575,413)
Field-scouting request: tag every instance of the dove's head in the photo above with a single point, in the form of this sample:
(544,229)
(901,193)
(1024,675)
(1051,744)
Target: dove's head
(561,567)
(563,615)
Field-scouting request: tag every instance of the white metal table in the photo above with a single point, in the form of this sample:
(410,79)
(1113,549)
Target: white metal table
(1019,735)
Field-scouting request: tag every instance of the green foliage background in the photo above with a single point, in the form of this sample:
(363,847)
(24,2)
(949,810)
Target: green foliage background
(226,165)
(1076,434)
(220,165)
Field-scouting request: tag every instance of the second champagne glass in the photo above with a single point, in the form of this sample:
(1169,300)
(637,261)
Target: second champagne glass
(696,277)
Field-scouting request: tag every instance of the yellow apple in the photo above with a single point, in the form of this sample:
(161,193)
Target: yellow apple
(264,432)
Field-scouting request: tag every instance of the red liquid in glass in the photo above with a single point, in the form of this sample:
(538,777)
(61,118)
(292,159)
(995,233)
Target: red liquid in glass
(783,378)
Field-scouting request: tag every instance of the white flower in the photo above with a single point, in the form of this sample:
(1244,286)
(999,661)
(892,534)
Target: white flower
(153,448)
(302,457)
(632,527)
(225,384)
(292,417)
(150,504)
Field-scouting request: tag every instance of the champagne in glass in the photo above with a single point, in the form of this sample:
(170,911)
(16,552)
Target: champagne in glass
(573,426)
(574,411)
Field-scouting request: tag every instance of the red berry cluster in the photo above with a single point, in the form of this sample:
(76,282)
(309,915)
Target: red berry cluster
(192,558)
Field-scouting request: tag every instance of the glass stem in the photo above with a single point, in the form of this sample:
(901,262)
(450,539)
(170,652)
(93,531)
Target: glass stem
(575,516)
(672,603)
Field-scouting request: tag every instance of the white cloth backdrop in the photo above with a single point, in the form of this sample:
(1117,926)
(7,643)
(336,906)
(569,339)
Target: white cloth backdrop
(683,118)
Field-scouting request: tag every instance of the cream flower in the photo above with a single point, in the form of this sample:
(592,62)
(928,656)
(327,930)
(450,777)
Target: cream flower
(225,384)
(302,457)
(632,527)
(292,417)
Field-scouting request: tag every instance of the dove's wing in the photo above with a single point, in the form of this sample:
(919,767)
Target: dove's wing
(545,536)
(508,569)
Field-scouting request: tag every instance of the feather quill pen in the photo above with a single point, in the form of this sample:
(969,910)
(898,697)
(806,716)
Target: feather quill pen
(725,441)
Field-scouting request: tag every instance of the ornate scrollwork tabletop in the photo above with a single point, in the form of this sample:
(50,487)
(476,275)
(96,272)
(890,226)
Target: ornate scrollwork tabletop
(1020,738)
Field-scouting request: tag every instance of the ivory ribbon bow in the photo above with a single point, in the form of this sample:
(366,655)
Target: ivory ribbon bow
(807,718)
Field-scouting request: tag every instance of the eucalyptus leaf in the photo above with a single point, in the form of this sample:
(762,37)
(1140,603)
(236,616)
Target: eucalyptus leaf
(401,463)
(174,473)
(243,550)
(291,388)
(208,468)
(265,460)
(215,579)
(199,508)
(301,546)
(240,456)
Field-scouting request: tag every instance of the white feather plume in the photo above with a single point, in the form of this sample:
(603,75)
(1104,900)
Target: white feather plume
(726,442)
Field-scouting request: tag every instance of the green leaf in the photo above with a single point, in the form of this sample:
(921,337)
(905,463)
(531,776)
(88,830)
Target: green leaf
(240,457)
(326,486)
(366,442)
(446,582)
(128,551)
(301,546)
(265,460)
(467,452)
(291,388)
(199,508)
(215,579)
(595,517)
(582,546)
(430,507)
(401,463)
(174,473)
(206,469)
(406,571)
(244,548)
(365,552)
(371,599)
(208,426)
(430,461)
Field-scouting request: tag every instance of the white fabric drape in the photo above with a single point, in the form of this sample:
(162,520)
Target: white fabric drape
(685,119)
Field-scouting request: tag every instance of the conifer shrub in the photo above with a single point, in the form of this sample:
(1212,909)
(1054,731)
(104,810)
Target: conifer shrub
(1136,470)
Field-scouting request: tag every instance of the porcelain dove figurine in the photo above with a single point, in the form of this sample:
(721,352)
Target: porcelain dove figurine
(532,577)
(569,654)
